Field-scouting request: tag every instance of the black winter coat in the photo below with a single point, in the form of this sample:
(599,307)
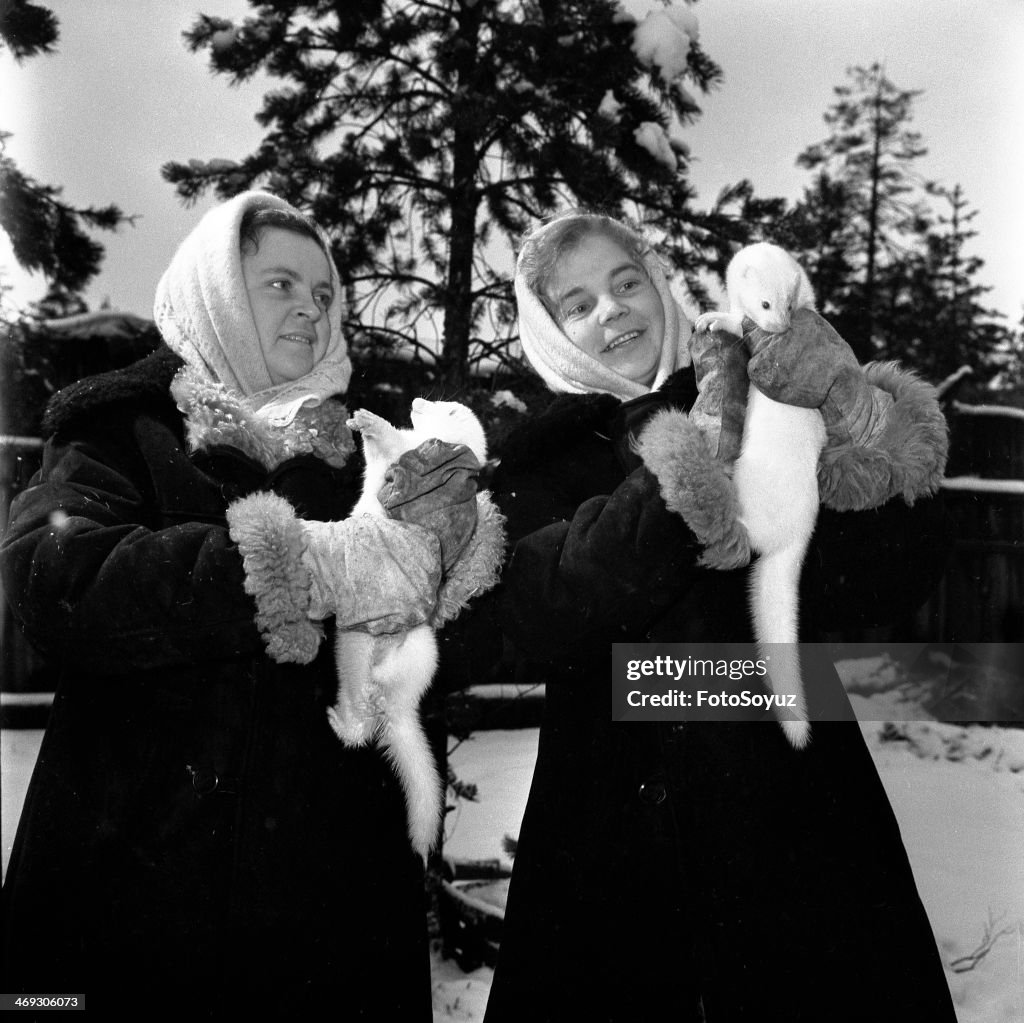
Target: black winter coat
(698,871)
(195,841)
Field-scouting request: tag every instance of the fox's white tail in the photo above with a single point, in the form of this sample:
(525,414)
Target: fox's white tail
(405,743)
(774,585)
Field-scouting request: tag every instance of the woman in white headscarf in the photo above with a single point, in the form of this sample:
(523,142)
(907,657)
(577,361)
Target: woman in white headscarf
(688,871)
(195,839)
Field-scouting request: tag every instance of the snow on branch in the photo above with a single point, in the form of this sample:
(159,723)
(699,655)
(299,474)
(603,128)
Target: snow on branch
(953,379)
(651,136)
(225,38)
(663,38)
(986,486)
(610,106)
(988,410)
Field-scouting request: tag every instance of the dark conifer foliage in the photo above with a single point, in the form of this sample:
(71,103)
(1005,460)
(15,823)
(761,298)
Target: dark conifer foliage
(427,135)
(47,234)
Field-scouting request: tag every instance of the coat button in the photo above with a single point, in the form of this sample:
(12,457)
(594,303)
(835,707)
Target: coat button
(204,780)
(653,793)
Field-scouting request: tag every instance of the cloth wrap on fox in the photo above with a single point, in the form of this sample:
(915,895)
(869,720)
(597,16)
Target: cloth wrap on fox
(886,435)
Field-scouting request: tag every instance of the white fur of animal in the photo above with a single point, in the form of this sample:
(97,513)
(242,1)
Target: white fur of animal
(776,472)
(381,679)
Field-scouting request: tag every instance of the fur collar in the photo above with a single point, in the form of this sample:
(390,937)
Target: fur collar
(145,383)
(213,415)
(216,416)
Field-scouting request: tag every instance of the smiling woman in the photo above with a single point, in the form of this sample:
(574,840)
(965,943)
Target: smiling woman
(607,305)
(595,310)
(193,825)
(698,870)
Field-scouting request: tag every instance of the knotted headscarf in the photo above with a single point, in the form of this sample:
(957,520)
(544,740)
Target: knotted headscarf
(568,369)
(202,311)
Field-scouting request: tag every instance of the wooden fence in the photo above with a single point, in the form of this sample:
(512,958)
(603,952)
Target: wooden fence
(981,598)
(21,670)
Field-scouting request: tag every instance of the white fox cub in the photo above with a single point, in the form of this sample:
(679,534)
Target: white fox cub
(381,679)
(776,471)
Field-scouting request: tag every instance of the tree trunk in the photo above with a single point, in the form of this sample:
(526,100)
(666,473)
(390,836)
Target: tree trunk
(465,200)
(873,204)
(458,302)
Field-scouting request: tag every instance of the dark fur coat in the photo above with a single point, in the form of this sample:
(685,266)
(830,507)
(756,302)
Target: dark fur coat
(699,871)
(195,841)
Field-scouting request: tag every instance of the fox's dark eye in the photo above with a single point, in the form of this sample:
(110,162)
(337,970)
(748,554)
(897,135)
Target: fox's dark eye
(766,305)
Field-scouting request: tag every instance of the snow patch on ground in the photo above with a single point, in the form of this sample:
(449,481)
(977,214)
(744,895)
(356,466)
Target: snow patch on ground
(500,764)
(958,794)
(19,748)
(457,995)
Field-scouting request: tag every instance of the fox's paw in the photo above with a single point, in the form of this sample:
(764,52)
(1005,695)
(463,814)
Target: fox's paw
(368,423)
(728,322)
(351,733)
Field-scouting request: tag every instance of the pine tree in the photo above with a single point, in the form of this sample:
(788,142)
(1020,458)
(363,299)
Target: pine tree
(427,135)
(870,156)
(1008,359)
(819,229)
(47,234)
(934,318)
(27,29)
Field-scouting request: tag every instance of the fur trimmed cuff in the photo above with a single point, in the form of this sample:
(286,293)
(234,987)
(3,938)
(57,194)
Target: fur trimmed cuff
(696,486)
(479,566)
(270,538)
(907,457)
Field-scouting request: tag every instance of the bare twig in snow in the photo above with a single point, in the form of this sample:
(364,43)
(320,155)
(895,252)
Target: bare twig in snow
(988,939)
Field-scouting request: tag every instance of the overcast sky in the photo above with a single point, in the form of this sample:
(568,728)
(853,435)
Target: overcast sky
(122,96)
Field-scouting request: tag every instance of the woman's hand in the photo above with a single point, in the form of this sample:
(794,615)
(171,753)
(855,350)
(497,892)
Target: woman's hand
(694,485)
(369,572)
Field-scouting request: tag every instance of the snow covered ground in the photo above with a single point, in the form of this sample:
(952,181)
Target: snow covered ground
(958,792)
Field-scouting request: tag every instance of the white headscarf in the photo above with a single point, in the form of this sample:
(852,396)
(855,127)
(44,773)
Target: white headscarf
(568,369)
(203,313)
